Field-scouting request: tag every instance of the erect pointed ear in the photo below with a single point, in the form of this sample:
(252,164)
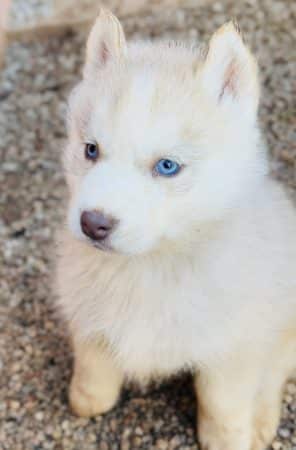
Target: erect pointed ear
(229,73)
(106,42)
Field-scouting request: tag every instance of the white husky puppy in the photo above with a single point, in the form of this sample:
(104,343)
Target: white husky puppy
(180,251)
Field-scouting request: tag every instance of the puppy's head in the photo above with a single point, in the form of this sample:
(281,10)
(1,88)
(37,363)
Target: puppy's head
(162,139)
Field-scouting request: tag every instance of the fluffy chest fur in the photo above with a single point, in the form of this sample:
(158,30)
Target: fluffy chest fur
(155,321)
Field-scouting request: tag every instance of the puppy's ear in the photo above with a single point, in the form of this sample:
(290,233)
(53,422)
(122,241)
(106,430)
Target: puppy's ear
(106,42)
(230,73)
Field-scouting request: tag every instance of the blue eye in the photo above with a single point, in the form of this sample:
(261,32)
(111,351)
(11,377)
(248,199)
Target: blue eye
(91,151)
(167,167)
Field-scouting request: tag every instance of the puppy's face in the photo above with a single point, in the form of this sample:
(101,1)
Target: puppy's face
(162,141)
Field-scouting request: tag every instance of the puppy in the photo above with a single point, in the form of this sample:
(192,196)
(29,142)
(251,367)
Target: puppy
(180,250)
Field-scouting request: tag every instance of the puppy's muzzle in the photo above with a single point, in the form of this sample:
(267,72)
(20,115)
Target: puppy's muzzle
(96,225)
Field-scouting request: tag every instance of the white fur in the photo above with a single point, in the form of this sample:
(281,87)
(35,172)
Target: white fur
(202,272)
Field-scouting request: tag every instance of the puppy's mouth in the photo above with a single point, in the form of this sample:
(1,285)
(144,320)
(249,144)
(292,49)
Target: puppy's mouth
(103,245)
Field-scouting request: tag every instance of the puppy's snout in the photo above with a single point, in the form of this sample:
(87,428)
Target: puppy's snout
(96,225)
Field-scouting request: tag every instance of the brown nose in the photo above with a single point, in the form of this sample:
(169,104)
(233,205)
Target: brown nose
(96,225)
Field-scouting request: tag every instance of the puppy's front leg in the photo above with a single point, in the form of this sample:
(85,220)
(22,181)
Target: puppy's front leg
(96,381)
(226,398)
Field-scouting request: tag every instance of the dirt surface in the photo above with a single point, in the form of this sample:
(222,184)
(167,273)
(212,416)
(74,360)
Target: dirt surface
(35,359)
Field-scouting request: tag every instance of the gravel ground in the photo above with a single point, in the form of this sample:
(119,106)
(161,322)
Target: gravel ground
(23,12)
(35,360)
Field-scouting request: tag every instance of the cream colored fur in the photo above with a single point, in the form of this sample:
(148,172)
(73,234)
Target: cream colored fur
(201,275)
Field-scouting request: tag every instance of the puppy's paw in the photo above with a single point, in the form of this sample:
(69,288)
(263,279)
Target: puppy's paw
(88,401)
(265,429)
(213,436)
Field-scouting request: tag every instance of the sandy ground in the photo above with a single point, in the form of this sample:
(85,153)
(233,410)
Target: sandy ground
(35,359)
